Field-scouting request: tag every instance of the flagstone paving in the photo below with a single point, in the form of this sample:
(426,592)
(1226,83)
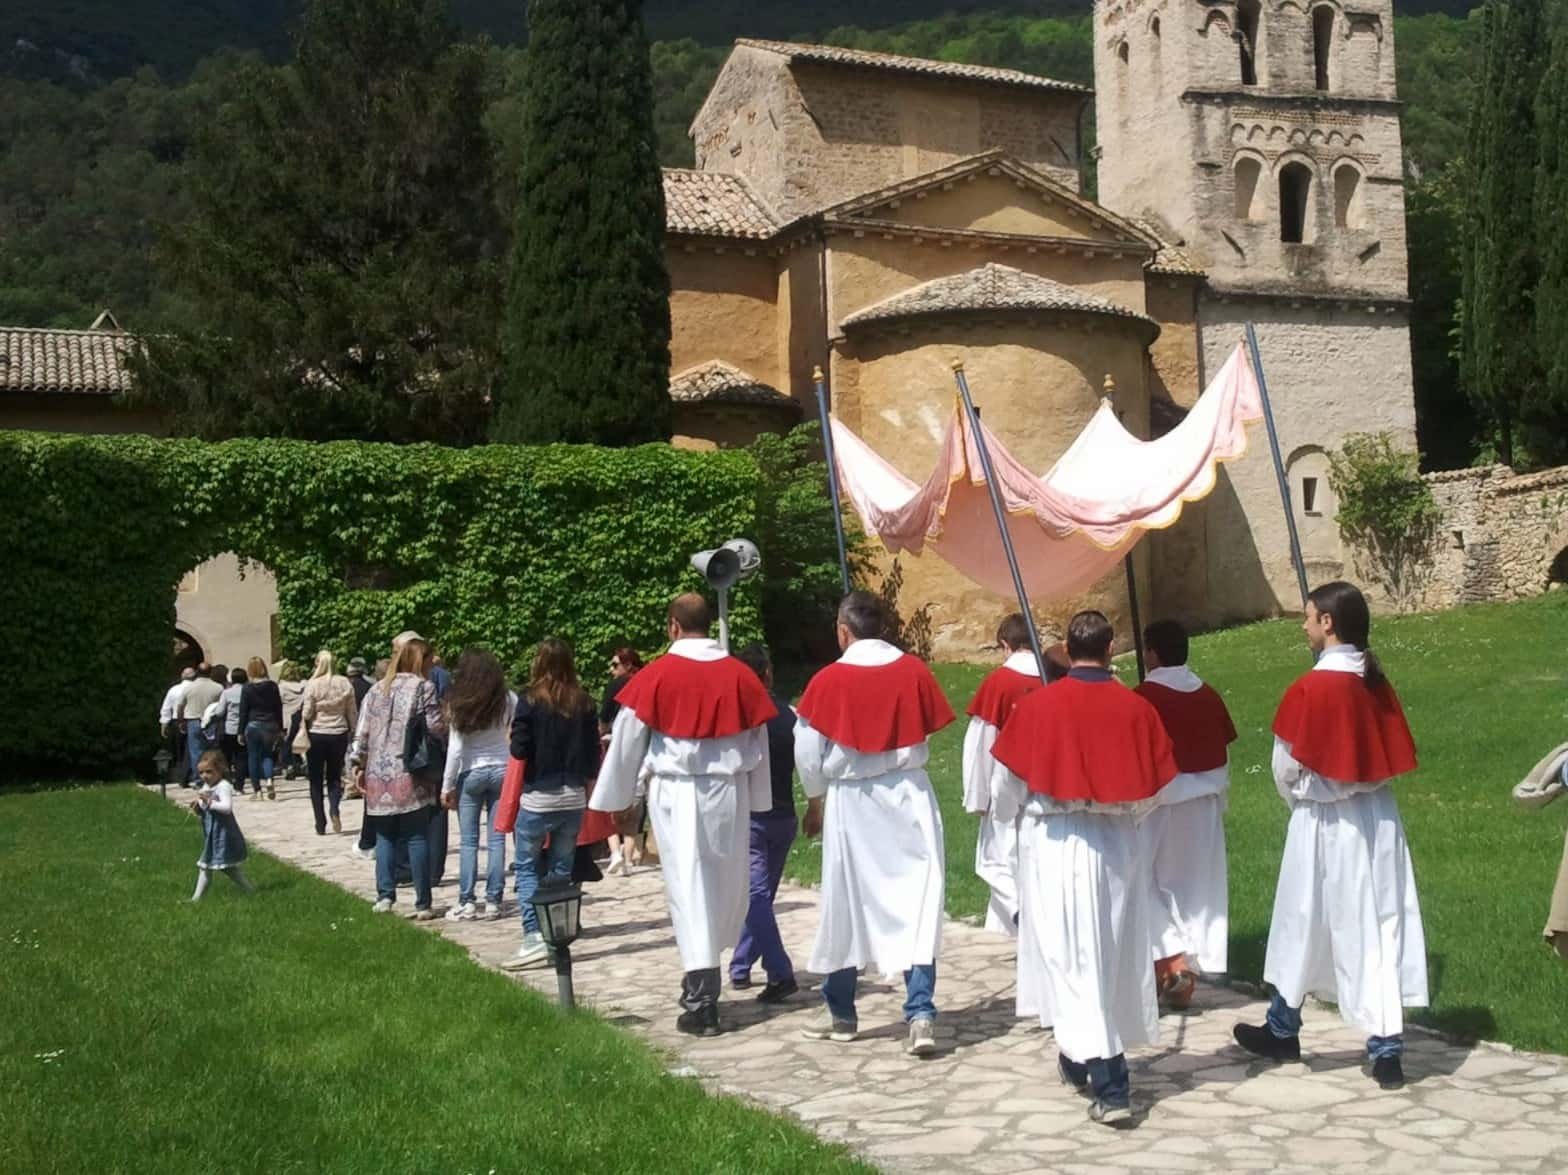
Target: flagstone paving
(989,1101)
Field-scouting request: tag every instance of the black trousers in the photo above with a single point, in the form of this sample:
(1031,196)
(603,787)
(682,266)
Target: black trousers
(700,989)
(238,760)
(324,762)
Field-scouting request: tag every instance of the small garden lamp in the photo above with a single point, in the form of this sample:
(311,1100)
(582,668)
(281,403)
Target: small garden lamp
(161,762)
(559,907)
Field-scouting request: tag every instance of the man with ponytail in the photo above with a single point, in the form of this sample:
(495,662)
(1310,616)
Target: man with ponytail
(1347,924)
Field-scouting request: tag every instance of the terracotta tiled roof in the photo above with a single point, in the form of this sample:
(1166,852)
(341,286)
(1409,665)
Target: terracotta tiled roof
(81,362)
(718,382)
(1169,258)
(832,55)
(990,287)
(710,204)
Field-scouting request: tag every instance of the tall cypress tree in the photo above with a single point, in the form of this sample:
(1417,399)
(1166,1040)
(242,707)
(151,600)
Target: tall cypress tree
(1545,413)
(587,328)
(1498,360)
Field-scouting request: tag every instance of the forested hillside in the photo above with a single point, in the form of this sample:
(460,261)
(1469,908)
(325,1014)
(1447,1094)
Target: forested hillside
(101,103)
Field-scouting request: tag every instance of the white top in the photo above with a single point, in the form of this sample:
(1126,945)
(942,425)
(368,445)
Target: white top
(1188,785)
(636,749)
(479,748)
(820,760)
(171,702)
(220,797)
(979,765)
(1022,662)
(1296,782)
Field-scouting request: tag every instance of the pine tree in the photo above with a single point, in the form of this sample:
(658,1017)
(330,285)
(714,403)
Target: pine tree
(587,327)
(344,254)
(1545,413)
(1498,360)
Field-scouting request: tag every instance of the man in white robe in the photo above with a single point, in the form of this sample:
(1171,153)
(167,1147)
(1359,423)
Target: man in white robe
(695,719)
(1085,759)
(1347,922)
(860,748)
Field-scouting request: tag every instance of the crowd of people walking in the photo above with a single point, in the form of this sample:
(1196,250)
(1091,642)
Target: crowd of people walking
(1101,832)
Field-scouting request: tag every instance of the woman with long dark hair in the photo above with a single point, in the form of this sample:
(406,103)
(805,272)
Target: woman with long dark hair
(625,842)
(479,711)
(1347,923)
(556,733)
(400,804)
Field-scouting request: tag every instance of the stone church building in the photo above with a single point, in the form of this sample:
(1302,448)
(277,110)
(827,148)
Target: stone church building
(881,216)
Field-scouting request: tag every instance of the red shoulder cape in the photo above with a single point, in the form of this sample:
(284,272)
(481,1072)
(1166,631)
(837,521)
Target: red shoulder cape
(875,707)
(1081,740)
(683,698)
(1001,690)
(1197,721)
(1344,731)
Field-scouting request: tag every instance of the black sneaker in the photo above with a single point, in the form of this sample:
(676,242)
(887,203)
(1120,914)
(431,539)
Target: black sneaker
(1072,1080)
(740,982)
(777,993)
(701,1022)
(1388,1073)
(1260,1042)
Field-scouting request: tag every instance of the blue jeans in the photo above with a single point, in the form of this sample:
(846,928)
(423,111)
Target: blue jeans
(1107,1077)
(838,992)
(771,837)
(409,831)
(1284,1021)
(195,745)
(480,788)
(527,840)
(260,746)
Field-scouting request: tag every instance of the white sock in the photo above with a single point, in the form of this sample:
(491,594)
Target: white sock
(202,878)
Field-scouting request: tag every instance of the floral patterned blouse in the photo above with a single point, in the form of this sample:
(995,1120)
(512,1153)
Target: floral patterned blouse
(378,743)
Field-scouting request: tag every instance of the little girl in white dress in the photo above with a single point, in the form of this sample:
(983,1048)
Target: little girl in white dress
(223,845)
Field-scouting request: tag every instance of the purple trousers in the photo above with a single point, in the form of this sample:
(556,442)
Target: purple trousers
(771,837)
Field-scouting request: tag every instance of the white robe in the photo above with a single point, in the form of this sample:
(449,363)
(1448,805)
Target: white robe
(882,856)
(1184,844)
(700,798)
(1347,923)
(1083,934)
(996,847)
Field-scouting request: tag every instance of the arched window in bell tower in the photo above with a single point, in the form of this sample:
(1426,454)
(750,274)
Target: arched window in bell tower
(1295,200)
(1248,13)
(1248,171)
(1322,44)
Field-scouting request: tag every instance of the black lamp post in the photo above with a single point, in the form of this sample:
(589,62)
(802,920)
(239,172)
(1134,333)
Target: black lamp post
(558,905)
(161,762)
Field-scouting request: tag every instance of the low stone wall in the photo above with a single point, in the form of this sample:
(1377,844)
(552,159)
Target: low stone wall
(1501,534)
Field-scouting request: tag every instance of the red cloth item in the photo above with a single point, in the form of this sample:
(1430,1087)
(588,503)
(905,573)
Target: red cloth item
(596,826)
(505,819)
(1086,740)
(1197,721)
(1343,730)
(1001,690)
(874,708)
(682,698)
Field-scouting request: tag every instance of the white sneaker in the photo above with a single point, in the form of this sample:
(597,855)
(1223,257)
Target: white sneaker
(922,1038)
(425,915)
(614,867)
(382,906)
(466,912)
(489,911)
(530,954)
(362,854)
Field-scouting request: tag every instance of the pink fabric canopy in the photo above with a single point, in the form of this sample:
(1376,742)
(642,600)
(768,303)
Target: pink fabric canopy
(1070,526)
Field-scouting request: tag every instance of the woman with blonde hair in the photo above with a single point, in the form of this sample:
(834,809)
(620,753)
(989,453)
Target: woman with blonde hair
(329,713)
(261,725)
(555,732)
(400,804)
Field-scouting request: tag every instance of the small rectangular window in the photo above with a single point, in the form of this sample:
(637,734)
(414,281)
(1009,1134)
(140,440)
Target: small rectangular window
(1309,495)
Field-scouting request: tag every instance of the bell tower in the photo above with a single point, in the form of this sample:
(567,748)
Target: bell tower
(1263,136)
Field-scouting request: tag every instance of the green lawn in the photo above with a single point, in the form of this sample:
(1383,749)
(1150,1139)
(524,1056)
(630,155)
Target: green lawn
(1486,691)
(292,1031)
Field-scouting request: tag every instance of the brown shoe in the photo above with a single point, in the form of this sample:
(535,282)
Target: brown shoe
(337,823)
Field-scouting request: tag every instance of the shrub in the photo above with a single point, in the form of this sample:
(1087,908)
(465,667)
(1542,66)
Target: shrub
(1386,509)
(496,545)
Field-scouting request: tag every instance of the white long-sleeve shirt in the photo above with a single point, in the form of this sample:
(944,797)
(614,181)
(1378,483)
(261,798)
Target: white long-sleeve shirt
(478,748)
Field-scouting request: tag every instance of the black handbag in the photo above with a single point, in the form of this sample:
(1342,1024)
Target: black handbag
(424,753)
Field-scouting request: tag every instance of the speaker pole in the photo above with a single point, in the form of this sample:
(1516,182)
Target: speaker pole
(833,487)
(724,619)
(973,416)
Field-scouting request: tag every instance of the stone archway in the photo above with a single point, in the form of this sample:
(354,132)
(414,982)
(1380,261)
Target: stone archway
(1557,567)
(231,603)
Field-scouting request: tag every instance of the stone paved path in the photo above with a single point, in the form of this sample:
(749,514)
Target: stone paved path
(989,1102)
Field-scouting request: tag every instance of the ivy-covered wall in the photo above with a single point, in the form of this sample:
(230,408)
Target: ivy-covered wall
(496,545)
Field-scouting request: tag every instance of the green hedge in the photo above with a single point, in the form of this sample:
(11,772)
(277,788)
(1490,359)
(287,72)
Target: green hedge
(496,545)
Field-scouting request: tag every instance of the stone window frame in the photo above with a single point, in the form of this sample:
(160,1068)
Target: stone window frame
(1324,59)
(1309,204)
(1258,205)
(1351,213)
